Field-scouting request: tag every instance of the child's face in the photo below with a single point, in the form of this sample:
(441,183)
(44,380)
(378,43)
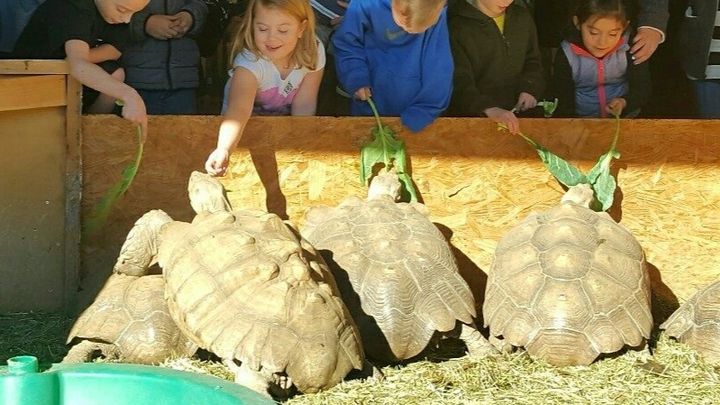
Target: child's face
(402,19)
(493,8)
(119,11)
(276,33)
(600,35)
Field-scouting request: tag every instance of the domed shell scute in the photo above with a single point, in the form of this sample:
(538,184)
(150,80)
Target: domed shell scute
(403,284)
(577,277)
(131,313)
(697,323)
(249,289)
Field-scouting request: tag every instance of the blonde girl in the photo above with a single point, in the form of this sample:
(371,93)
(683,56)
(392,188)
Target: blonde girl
(277,65)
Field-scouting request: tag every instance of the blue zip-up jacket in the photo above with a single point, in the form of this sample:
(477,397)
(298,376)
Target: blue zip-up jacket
(410,75)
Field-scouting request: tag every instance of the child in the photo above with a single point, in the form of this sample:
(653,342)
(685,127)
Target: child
(87,32)
(163,63)
(497,60)
(594,75)
(396,51)
(276,71)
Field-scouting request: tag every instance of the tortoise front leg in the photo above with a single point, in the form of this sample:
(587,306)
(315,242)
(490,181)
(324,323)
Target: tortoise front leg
(141,246)
(87,350)
(247,377)
(476,343)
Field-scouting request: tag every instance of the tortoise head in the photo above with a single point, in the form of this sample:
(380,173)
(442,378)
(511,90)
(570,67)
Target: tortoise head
(207,194)
(385,184)
(580,194)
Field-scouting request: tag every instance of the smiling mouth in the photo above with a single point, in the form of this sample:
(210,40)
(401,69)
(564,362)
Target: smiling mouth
(272,48)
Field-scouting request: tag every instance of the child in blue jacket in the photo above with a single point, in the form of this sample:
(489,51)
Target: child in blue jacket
(398,52)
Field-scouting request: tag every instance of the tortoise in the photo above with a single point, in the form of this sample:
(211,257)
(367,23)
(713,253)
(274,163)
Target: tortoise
(697,323)
(242,285)
(569,284)
(396,272)
(129,320)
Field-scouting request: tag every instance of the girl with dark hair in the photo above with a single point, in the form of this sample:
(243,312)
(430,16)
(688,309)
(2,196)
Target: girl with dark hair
(594,75)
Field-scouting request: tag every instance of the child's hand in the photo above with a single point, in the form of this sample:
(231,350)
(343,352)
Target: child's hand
(616,106)
(134,110)
(183,22)
(363,93)
(504,117)
(161,27)
(525,101)
(217,162)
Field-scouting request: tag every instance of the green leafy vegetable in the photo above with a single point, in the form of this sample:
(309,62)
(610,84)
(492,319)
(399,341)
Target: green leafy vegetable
(102,209)
(548,107)
(385,148)
(599,177)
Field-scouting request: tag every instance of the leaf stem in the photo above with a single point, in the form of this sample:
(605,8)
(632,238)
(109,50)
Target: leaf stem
(375,113)
(381,133)
(527,138)
(617,131)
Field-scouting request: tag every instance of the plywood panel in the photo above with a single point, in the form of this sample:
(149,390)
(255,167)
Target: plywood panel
(32,202)
(477,182)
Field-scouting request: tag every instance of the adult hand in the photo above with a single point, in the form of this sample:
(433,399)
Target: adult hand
(645,43)
(161,27)
(217,162)
(525,101)
(503,116)
(616,106)
(363,93)
(183,23)
(134,110)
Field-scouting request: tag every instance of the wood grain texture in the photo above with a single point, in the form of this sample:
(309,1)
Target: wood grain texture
(477,182)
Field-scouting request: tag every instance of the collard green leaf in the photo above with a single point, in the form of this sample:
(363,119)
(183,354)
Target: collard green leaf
(387,149)
(566,173)
(599,177)
(604,188)
(102,209)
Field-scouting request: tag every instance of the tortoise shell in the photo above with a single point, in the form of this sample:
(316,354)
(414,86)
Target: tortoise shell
(697,323)
(395,271)
(131,313)
(568,284)
(244,286)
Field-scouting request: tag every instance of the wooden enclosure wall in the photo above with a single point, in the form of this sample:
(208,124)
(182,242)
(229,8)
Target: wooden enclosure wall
(39,185)
(476,181)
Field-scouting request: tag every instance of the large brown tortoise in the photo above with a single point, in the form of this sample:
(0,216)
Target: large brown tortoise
(569,284)
(697,323)
(395,271)
(244,286)
(129,320)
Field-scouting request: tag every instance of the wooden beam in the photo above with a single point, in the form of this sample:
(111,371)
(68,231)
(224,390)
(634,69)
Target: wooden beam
(40,67)
(23,92)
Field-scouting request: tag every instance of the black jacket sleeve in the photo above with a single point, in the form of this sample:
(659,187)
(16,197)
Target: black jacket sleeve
(562,86)
(639,85)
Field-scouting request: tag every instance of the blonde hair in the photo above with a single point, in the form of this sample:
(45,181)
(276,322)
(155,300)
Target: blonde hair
(305,53)
(418,13)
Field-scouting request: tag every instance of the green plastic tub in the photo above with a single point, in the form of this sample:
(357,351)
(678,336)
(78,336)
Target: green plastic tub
(115,384)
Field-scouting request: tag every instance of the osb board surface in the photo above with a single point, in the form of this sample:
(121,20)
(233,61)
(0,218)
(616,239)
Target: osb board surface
(476,181)
(32,209)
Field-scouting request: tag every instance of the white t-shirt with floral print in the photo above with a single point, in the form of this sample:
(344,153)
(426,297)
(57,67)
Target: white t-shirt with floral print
(274,94)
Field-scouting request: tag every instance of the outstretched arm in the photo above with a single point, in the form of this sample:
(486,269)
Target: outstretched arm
(241,97)
(93,76)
